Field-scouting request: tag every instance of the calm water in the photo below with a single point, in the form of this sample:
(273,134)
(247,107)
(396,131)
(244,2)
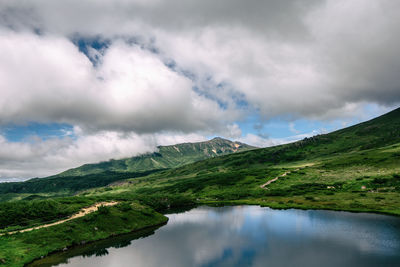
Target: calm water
(249,236)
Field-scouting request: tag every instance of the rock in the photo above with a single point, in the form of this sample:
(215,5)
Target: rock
(65,249)
(363,187)
(2,261)
(95,228)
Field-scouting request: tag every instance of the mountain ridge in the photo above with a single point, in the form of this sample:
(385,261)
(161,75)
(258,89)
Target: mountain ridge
(165,157)
(355,141)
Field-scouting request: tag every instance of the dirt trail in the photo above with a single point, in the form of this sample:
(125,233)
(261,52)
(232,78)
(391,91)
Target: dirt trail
(81,213)
(275,179)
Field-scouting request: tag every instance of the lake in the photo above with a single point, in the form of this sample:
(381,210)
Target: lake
(248,236)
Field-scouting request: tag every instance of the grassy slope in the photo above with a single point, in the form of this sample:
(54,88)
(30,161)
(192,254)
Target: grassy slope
(19,249)
(356,169)
(17,215)
(63,185)
(105,173)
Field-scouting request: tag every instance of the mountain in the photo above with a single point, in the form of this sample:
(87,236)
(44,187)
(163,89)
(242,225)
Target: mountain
(363,155)
(356,169)
(166,157)
(104,173)
(367,136)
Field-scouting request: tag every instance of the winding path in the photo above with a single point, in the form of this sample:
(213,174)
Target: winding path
(81,213)
(263,186)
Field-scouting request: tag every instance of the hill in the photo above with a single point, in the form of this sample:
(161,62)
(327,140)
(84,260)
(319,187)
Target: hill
(356,168)
(166,157)
(367,136)
(105,173)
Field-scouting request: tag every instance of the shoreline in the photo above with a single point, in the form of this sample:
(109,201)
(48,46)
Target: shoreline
(214,204)
(155,226)
(287,207)
(21,249)
(209,204)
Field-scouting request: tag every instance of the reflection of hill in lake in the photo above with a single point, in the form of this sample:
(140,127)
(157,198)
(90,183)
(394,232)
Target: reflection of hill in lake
(96,249)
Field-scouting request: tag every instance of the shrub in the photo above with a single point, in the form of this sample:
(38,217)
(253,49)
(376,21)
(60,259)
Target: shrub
(379,180)
(104,210)
(125,206)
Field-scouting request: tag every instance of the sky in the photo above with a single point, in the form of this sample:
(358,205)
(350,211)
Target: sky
(85,81)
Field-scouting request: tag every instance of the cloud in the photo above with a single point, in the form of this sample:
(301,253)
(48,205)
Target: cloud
(42,158)
(314,78)
(260,141)
(292,128)
(347,58)
(38,158)
(128,16)
(288,58)
(47,79)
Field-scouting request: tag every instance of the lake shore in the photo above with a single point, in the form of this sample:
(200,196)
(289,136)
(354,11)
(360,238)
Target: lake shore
(22,248)
(305,206)
(149,248)
(64,236)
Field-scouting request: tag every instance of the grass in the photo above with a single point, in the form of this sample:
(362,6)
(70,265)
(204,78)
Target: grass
(20,249)
(361,180)
(17,215)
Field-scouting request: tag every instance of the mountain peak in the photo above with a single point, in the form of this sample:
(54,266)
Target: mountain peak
(217,138)
(170,156)
(223,140)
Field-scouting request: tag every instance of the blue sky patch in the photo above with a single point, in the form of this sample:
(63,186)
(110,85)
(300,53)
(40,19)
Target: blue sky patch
(84,44)
(21,133)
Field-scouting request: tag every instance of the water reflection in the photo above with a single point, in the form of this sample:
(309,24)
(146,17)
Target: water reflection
(253,236)
(96,249)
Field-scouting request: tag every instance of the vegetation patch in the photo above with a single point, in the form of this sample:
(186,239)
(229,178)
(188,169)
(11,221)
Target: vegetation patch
(22,248)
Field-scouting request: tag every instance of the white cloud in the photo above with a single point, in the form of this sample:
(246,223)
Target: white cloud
(288,58)
(259,141)
(292,128)
(39,158)
(328,54)
(47,79)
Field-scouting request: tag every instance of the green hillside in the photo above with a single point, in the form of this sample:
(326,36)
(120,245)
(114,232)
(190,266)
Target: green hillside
(104,173)
(357,168)
(374,134)
(166,157)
